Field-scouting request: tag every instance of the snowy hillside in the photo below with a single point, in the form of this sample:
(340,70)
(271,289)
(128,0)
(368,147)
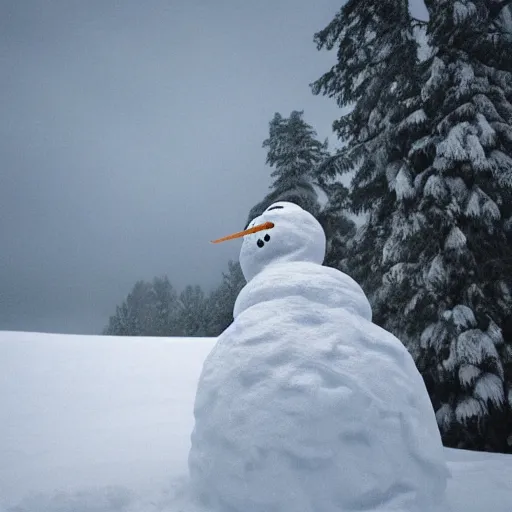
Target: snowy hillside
(103,424)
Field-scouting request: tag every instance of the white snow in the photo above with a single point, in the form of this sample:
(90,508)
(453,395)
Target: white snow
(474,346)
(491,211)
(489,388)
(417,117)
(102,424)
(304,404)
(434,335)
(487,133)
(502,167)
(454,147)
(455,239)
(468,374)
(463,316)
(403,186)
(444,416)
(469,408)
(305,244)
(473,206)
(463,11)
(436,275)
(436,79)
(435,187)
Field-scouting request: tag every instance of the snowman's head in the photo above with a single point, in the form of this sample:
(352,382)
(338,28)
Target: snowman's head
(284,232)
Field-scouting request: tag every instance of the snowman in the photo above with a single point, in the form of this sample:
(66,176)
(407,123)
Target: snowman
(305,405)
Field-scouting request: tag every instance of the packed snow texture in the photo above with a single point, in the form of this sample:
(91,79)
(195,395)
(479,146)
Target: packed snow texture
(102,424)
(304,404)
(296,236)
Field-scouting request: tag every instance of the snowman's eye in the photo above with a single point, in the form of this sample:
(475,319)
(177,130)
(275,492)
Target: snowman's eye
(275,208)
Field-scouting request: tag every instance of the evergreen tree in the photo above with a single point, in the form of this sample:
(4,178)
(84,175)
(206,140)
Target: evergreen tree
(222,300)
(339,229)
(166,308)
(192,319)
(430,144)
(118,324)
(298,159)
(150,309)
(463,188)
(302,193)
(376,76)
(293,151)
(135,316)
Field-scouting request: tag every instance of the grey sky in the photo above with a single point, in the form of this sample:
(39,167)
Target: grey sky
(131,135)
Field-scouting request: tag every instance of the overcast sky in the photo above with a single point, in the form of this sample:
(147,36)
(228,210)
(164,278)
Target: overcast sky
(130,136)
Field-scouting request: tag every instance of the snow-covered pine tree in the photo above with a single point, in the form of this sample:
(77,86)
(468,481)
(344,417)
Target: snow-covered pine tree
(376,79)
(165,321)
(135,316)
(339,228)
(118,324)
(294,152)
(150,309)
(222,300)
(192,312)
(433,171)
(296,155)
(462,258)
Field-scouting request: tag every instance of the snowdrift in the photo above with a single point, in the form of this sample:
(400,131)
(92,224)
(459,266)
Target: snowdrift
(92,423)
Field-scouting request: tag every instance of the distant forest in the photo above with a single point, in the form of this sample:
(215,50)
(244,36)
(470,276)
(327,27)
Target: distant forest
(426,139)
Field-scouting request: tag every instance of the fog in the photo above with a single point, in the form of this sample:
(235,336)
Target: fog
(131,135)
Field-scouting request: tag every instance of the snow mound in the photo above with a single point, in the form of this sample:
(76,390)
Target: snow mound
(304,404)
(126,449)
(322,286)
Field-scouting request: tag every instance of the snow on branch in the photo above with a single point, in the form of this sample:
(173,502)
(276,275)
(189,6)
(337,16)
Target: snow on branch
(468,373)
(403,184)
(487,133)
(455,239)
(489,388)
(444,416)
(461,316)
(474,347)
(501,167)
(462,12)
(469,408)
(434,336)
(473,206)
(436,274)
(435,187)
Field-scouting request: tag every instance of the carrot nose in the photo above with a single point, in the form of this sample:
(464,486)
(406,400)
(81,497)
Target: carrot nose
(240,234)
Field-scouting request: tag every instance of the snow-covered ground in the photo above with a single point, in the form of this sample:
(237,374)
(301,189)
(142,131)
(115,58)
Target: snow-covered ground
(91,423)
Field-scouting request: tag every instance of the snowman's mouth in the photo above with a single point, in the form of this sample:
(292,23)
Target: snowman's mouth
(250,231)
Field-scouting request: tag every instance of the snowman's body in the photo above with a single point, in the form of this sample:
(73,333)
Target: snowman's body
(304,405)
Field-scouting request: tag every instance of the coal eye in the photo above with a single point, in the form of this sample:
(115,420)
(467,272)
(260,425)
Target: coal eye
(275,208)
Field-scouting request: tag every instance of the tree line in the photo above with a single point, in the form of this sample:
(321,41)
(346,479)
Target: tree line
(426,132)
